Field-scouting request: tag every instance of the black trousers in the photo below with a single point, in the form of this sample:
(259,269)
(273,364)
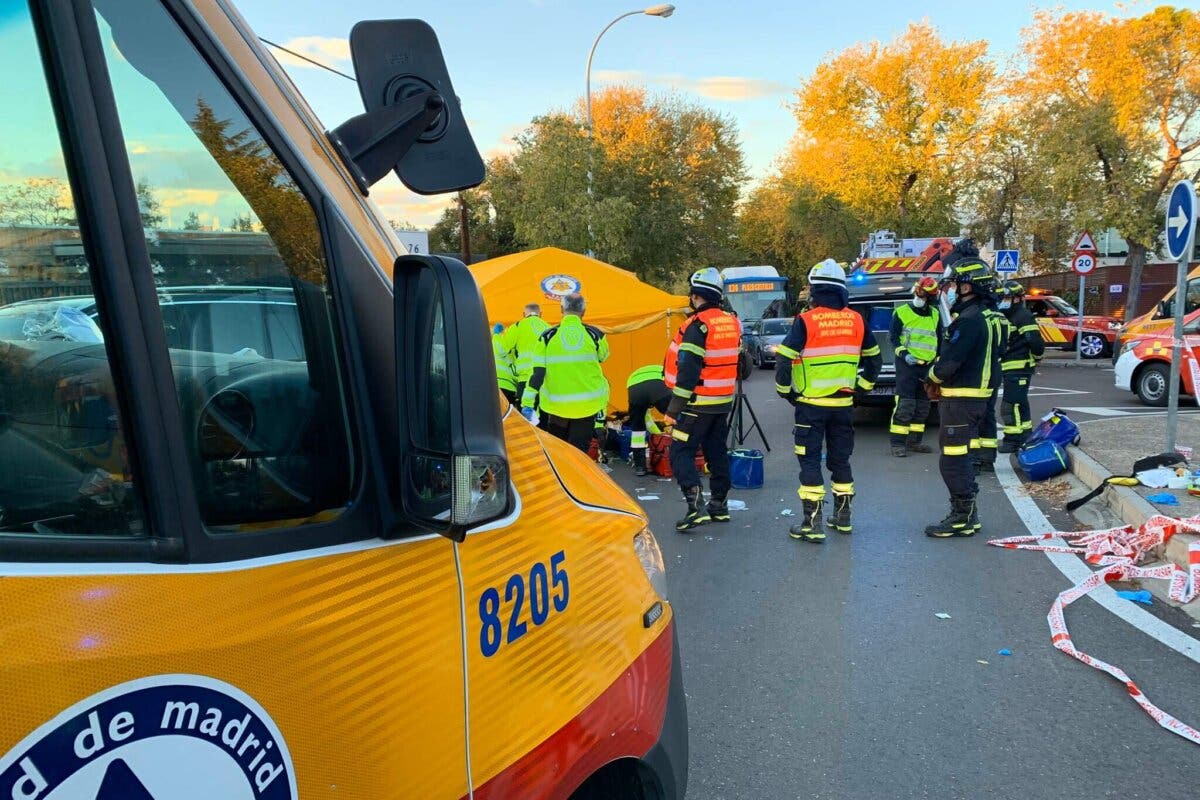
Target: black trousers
(1014,411)
(708,432)
(912,405)
(961,422)
(832,428)
(983,446)
(642,397)
(576,432)
(511,396)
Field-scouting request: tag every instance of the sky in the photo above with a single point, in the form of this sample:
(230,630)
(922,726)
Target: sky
(512,60)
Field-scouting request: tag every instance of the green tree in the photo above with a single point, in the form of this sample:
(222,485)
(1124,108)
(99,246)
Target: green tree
(149,205)
(192,223)
(793,226)
(242,223)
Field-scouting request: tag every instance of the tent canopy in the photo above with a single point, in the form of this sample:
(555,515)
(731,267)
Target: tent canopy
(638,319)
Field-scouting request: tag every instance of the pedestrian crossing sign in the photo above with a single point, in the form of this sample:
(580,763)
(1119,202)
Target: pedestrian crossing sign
(1007,260)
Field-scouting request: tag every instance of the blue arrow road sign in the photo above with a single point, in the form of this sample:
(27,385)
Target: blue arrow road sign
(1181,219)
(1008,260)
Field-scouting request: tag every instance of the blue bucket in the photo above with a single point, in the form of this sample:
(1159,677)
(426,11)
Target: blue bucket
(625,441)
(1043,460)
(746,469)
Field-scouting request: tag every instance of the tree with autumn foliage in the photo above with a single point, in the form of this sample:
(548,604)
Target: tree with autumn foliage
(1114,110)
(667,176)
(889,129)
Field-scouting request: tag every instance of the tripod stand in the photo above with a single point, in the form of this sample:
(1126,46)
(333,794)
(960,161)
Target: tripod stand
(738,432)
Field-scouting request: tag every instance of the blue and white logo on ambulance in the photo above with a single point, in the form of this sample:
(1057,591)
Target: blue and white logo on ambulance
(556,287)
(168,737)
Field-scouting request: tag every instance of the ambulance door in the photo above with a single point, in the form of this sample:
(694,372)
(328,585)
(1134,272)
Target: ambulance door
(197,600)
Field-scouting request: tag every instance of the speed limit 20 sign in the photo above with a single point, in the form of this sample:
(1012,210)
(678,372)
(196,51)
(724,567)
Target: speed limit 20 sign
(1083,263)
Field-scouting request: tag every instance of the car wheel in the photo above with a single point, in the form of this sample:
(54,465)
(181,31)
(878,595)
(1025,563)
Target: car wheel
(1091,345)
(1151,384)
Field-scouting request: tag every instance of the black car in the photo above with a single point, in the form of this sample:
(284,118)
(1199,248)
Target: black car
(762,338)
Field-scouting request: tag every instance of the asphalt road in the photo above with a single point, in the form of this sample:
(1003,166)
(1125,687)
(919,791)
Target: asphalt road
(821,671)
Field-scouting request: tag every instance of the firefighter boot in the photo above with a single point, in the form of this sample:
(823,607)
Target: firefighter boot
(957,523)
(917,446)
(973,517)
(1012,442)
(809,528)
(696,514)
(899,451)
(718,509)
(840,519)
(639,462)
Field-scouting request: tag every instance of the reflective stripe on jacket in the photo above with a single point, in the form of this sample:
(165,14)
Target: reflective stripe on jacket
(918,334)
(1025,344)
(651,372)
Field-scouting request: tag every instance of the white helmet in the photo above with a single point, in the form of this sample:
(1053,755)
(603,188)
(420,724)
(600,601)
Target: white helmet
(708,281)
(827,273)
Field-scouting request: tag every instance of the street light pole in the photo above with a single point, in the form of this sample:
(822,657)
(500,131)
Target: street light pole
(664,10)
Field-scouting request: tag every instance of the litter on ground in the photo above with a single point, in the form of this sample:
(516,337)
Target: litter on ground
(942,615)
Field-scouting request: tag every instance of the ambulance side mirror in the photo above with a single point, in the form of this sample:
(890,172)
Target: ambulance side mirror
(454,466)
(413,123)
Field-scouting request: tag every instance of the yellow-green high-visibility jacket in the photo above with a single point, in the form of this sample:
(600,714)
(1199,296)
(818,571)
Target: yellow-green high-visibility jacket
(915,333)
(519,340)
(567,380)
(506,373)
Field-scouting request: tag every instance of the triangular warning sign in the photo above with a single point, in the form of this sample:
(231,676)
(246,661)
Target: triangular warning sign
(1085,243)
(1006,262)
(120,783)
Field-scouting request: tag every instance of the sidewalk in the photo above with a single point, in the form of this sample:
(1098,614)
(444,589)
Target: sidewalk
(1110,446)
(1063,358)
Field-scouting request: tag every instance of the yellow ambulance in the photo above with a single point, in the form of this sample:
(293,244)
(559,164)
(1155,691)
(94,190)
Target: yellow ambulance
(266,529)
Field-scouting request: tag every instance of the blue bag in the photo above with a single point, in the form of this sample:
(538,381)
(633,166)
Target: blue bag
(1043,460)
(746,469)
(1055,427)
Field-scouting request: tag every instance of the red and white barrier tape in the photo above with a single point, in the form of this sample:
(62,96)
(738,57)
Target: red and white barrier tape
(1118,551)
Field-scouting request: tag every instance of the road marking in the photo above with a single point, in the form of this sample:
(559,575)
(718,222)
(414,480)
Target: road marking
(1129,411)
(1051,391)
(1075,571)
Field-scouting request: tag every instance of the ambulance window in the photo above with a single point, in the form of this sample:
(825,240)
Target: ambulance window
(63,461)
(1192,298)
(237,255)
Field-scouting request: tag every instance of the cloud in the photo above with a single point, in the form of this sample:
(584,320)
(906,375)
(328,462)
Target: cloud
(508,142)
(398,203)
(326,49)
(726,88)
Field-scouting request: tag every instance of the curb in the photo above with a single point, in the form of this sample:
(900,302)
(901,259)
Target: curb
(1131,507)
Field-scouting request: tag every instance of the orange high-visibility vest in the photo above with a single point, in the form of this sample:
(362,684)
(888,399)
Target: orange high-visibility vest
(828,364)
(718,376)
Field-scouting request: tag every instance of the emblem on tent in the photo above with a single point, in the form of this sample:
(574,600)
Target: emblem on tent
(168,737)
(556,287)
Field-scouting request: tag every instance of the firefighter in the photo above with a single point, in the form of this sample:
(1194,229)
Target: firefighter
(983,449)
(827,356)
(566,382)
(506,373)
(520,340)
(647,390)
(1021,355)
(961,376)
(915,332)
(701,371)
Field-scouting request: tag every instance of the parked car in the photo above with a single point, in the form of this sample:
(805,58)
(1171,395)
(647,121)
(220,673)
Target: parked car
(1058,319)
(763,337)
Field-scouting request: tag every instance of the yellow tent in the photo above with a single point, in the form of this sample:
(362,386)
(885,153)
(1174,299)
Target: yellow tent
(638,319)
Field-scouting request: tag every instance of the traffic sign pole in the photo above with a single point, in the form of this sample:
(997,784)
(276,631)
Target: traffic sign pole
(1083,263)
(1079,333)
(1181,233)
